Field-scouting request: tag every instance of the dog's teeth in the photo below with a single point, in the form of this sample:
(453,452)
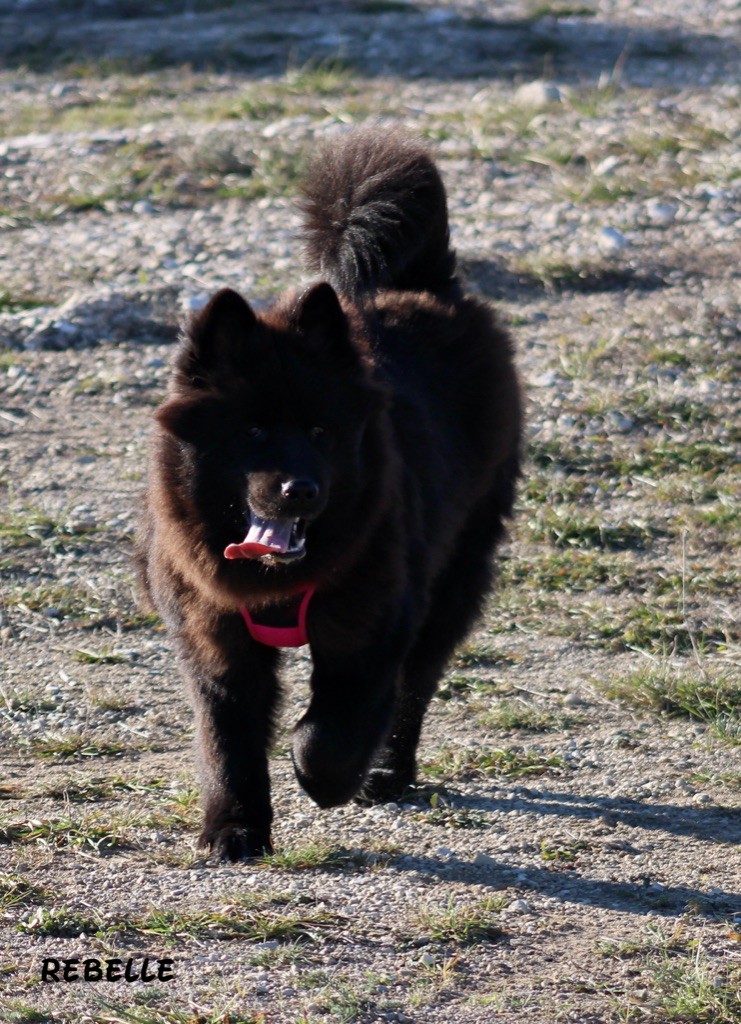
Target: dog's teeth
(298,535)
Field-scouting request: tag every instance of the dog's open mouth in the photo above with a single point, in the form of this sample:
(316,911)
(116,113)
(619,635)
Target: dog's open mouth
(281,539)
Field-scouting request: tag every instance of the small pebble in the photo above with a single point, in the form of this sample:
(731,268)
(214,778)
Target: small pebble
(612,240)
(537,94)
(517,907)
(607,166)
(661,213)
(194,303)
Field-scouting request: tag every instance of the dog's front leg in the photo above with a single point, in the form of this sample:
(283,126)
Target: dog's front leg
(234,693)
(346,721)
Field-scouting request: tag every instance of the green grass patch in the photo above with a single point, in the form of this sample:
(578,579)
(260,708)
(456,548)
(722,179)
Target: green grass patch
(327,77)
(143,620)
(237,921)
(460,684)
(310,856)
(130,99)
(563,853)
(561,10)
(92,790)
(654,939)
(463,762)
(105,656)
(668,357)
(60,923)
(75,746)
(28,704)
(676,414)
(602,458)
(567,528)
(16,890)
(176,174)
(595,189)
(573,571)
(657,626)
(18,302)
(9,359)
(462,925)
(18,1012)
(25,528)
(683,693)
(556,274)
(697,457)
(262,917)
(520,715)
(545,489)
(483,655)
(73,601)
(445,815)
(93,832)
(728,780)
(344,1001)
(686,989)
(282,955)
(685,135)
(113,1014)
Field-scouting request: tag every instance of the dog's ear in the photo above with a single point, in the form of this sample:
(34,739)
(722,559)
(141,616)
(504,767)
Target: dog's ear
(318,309)
(223,333)
(190,418)
(319,317)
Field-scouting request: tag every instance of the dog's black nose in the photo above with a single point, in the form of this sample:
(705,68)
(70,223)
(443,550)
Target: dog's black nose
(300,490)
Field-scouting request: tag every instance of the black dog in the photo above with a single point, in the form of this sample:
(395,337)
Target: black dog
(335,471)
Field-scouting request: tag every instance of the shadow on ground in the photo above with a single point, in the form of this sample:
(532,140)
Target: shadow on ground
(376,38)
(717,824)
(497,281)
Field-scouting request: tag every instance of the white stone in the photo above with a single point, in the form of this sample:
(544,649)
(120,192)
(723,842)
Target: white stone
(517,907)
(193,303)
(537,94)
(661,213)
(612,240)
(608,166)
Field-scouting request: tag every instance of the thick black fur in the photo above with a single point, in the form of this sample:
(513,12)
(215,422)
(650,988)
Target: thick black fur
(392,398)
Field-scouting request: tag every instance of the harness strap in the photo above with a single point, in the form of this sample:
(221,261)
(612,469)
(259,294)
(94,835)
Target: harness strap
(290,630)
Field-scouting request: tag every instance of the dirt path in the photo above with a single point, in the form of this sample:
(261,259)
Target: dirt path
(573,854)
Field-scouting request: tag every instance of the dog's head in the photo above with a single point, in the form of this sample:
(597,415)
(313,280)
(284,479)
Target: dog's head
(268,424)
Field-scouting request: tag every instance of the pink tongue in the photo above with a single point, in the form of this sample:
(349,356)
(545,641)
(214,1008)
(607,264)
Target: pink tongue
(264,537)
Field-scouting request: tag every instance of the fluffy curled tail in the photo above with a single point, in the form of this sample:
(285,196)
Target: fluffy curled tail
(375,215)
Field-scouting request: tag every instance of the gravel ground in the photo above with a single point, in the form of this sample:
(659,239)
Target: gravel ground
(572,852)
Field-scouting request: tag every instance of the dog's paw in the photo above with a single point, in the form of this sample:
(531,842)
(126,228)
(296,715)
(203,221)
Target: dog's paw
(235,842)
(384,785)
(327,767)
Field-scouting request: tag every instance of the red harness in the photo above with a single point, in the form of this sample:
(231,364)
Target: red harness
(291,630)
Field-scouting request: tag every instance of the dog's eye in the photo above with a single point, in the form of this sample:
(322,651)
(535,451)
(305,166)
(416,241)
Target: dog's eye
(256,433)
(316,432)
